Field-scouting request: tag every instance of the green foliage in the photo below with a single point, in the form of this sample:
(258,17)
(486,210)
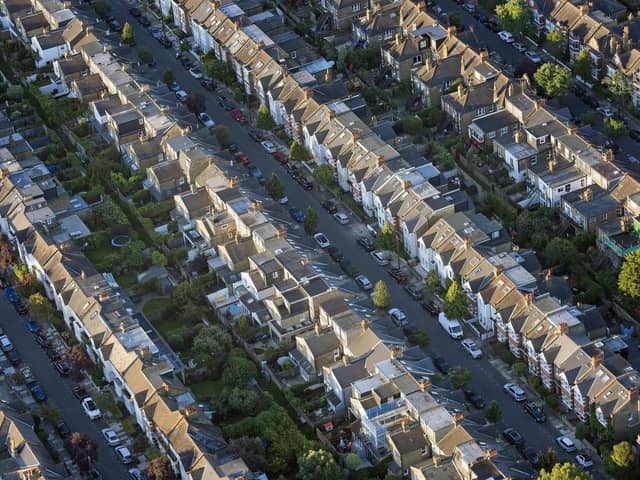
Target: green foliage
(352,461)
(238,371)
(532,227)
(419,338)
(583,66)
(381,296)
(127,34)
(412,125)
(358,59)
(553,79)
(456,302)
(102,8)
(547,459)
(387,238)
(252,452)
(622,460)
(619,86)
(186,293)
(275,188)
(264,120)
(168,77)
(222,134)
(514,16)
(519,369)
(318,465)
(298,152)
(219,70)
(493,412)
(629,276)
(212,340)
(310,221)
(615,128)
(589,118)
(145,56)
(433,281)
(158,259)
(242,400)
(459,377)
(14,93)
(432,117)
(560,251)
(324,174)
(40,307)
(555,43)
(564,471)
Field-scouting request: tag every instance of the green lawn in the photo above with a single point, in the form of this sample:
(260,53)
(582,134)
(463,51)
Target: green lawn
(206,389)
(153,308)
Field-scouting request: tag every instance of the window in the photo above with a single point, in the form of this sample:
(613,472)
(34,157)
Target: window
(582,182)
(567,187)
(533,161)
(294,54)
(603,217)
(274,275)
(355,7)
(417,59)
(542,140)
(560,190)
(388,34)
(549,154)
(492,135)
(480,111)
(504,130)
(423,44)
(619,212)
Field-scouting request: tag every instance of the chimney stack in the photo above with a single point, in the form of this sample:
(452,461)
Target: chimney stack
(328,75)
(529,298)
(331,114)
(424,384)
(584,8)
(564,328)
(406,185)
(379,160)
(318,328)
(460,90)
(625,36)
(597,358)
(397,40)
(484,55)
(355,135)
(587,194)
(457,419)
(552,165)
(236,25)
(451,31)
(517,136)
(363,324)
(368,14)
(308,93)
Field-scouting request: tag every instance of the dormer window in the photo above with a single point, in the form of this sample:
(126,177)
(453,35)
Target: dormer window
(417,60)
(388,34)
(355,7)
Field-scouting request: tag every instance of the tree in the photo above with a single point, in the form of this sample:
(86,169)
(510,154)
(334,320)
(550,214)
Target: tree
(564,471)
(589,118)
(561,251)
(275,187)
(219,70)
(547,459)
(50,415)
(264,120)
(238,371)
(583,66)
(629,276)
(381,297)
(78,361)
(352,461)
(222,135)
(160,469)
(619,87)
(22,273)
(127,34)
(212,340)
(186,293)
(623,457)
(324,174)
(519,369)
(102,8)
(459,377)
(251,450)
(615,128)
(168,77)
(158,259)
(433,281)
(555,43)
(514,16)
(83,451)
(196,103)
(310,221)
(553,79)
(6,251)
(419,338)
(456,302)
(386,238)
(243,400)
(298,152)
(318,465)
(493,412)
(412,125)
(145,56)
(40,307)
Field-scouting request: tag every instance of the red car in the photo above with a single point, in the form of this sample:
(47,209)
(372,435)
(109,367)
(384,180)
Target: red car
(281,158)
(241,158)
(238,116)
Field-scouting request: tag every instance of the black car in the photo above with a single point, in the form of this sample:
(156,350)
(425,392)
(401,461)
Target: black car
(41,340)
(63,430)
(208,84)
(13,356)
(532,457)
(334,253)
(80,392)
(115,26)
(535,411)
(398,275)
(591,101)
(165,42)
(255,136)
(512,436)
(225,103)
(474,398)
(430,307)
(441,364)
(635,135)
(349,268)
(144,21)
(414,291)
(62,367)
(367,243)
(135,12)
(292,170)
(329,206)
(53,355)
(21,308)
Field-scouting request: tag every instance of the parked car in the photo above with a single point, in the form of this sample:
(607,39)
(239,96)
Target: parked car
(512,436)
(238,116)
(62,367)
(441,364)
(398,275)
(195,72)
(329,206)
(398,317)
(255,136)
(469,7)
(515,392)
(304,183)
(115,26)
(175,87)
(532,456)
(62,430)
(5,344)
(136,474)
(364,283)
(281,158)
(533,56)
(519,46)
(506,36)
(341,218)
(430,307)
(474,398)
(144,21)
(414,291)
(268,146)
(27,375)
(322,240)
(225,103)
(451,326)
(38,394)
(334,253)
(471,348)
(42,340)
(90,408)
(605,112)
(535,411)
(124,454)
(349,268)
(21,308)
(255,172)
(366,243)
(380,258)
(12,296)
(181,95)
(206,120)
(79,392)
(135,12)
(31,324)
(208,84)
(566,444)
(13,356)
(296,214)
(584,460)
(111,437)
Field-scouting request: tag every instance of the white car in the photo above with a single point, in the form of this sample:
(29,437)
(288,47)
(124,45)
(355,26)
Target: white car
(584,460)
(268,146)
(605,112)
(566,444)
(364,283)
(321,240)
(515,392)
(181,95)
(196,73)
(135,473)
(519,46)
(91,409)
(380,258)
(341,218)
(398,317)
(284,200)
(111,437)
(206,120)
(5,343)
(124,454)
(506,36)
(533,56)
(471,348)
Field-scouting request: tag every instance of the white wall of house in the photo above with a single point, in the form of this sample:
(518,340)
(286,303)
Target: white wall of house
(46,56)
(201,37)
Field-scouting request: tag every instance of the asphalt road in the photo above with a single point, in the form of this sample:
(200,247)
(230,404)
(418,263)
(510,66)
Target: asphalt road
(487,380)
(58,391)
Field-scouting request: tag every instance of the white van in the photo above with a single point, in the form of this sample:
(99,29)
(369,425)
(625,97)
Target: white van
(452,327)
(506,36)
(181,95)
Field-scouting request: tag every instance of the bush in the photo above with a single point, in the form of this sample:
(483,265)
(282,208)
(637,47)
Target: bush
(534,382)
(553,402)
(519,369)
(501,350)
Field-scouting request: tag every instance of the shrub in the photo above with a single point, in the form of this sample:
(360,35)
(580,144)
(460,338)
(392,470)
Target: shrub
(553,402)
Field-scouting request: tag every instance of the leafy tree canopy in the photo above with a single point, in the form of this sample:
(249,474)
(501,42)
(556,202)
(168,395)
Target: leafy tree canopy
(553,79)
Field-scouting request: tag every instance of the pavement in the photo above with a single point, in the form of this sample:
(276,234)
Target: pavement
(488,380)
(59,391)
